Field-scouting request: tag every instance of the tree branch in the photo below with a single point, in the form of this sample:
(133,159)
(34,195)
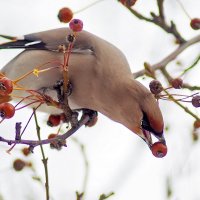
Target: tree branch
(170,57)
(33,143)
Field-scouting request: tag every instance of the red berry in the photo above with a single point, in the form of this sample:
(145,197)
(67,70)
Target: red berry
(76,25)
(177,83)
(159,149)
(128,3)
(6,86)
(195,23)
(196,124)
(196,101)
(7,110)
(54,120)
(19,164)
(155,87)
(26,151)
(65,15)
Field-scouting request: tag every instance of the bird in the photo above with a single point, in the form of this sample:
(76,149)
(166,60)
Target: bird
(100,75)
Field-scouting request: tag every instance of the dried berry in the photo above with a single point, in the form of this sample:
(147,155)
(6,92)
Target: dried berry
(57,143)
(159,149)
(26,151)
(196,124)
(128,3)
(196,101)
(177,83)
(76,25)
(7,110)
(65,15)
(70,38)
(195,23)
(19,164)
(155,87)
(6,86)
(53,120)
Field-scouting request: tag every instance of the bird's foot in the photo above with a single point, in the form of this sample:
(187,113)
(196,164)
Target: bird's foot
(93,117)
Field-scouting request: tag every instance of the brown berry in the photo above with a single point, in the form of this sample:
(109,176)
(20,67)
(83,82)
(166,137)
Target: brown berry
(26,151)
(177,83)
(57,143)
(19,164)
(155,87)
(196,101)
(159,149)
(195,23)
(65,15)
(196,124)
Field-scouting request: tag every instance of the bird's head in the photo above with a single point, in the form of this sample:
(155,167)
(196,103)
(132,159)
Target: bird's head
(143,116)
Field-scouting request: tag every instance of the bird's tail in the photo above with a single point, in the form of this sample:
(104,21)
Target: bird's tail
(11,44)
(21,43)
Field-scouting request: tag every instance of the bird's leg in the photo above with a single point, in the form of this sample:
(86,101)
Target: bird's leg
(93,115)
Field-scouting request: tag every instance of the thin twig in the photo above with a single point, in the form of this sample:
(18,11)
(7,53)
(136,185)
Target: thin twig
(85,181)
(170,57)
(103,196)
(34,143)
(192,66)
(180,105)
(160,21)
(44,159)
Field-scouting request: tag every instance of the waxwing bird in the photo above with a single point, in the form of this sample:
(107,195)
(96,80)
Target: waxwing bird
(100,76)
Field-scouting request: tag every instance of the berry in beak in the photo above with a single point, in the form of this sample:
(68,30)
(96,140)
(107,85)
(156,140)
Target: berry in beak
(159,148)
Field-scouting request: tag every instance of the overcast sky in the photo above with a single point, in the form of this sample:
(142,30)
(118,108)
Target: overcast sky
(119,161)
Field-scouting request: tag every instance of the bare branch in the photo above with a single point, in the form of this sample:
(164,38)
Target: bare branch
(160,21)
(33,143)
(170,57)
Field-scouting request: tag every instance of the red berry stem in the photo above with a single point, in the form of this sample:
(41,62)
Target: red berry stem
(36,101)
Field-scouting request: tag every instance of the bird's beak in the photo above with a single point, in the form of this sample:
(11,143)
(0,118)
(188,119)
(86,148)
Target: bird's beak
(148,131)
(158,148)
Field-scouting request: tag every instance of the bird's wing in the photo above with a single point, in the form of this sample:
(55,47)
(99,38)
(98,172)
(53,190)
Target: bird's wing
(49,40)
